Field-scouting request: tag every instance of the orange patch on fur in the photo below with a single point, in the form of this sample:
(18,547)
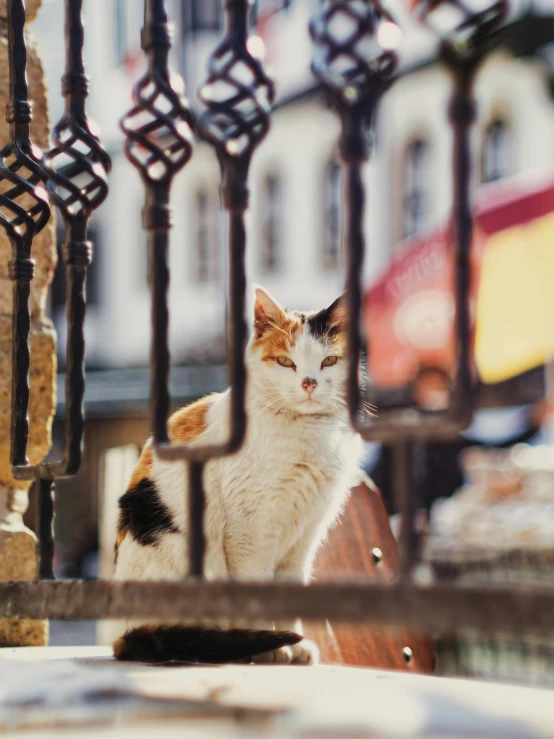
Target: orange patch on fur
(189,422)
(185,425)
(143,468)
(121,534)
(279,338)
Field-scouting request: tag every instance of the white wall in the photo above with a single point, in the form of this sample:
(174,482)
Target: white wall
(299,145)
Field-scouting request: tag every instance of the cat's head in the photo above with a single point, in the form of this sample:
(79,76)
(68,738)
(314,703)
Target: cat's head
(297,360)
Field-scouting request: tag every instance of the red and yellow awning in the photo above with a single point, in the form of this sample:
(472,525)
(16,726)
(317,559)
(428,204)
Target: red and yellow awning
(410,310)
(515,305)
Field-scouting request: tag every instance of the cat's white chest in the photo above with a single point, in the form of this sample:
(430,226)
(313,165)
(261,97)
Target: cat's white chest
(281,459)
(282,484)
(282,489)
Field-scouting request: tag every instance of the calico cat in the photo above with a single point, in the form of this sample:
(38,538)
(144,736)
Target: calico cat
(268,507)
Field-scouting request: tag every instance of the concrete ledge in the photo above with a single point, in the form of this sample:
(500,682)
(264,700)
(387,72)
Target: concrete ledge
(290,701)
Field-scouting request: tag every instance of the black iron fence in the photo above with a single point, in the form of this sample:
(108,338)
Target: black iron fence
(355,71)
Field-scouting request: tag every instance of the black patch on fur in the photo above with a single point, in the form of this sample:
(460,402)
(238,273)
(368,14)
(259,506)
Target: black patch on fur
(197,644)
(144,514)
(322,325)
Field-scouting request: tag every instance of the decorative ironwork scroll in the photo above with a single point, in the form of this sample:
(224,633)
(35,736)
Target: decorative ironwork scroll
(354,65)
(75,173)
(238,96)
(77,166)
(24,211)
(158,132)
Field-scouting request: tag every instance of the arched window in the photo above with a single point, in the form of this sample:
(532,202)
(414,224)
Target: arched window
(201,15)
(416,188)
(497,156)
(206,236)
(272,223)
(332,215)
(121,29)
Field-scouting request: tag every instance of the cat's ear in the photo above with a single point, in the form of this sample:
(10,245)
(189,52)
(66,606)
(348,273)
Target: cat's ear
(337,313)
(267,311)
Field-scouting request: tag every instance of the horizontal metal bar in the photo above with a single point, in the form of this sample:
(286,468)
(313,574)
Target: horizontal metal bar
(413,425)
(435,609)
(524,389)
(187,453)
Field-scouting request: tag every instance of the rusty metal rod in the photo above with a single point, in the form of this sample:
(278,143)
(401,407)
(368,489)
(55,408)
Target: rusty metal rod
(436,609)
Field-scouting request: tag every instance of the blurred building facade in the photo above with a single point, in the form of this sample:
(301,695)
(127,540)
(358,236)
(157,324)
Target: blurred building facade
(294,218)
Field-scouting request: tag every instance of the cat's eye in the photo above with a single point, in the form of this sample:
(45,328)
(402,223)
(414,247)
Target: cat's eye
(329,361)
(286,362)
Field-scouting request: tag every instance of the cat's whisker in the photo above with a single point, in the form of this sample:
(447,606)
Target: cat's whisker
(271,404)
(370,409)
(370,406)
(366,407)
(268,404)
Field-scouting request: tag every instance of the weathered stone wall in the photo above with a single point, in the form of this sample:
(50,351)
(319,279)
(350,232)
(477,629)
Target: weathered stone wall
(17,544)
(31,9)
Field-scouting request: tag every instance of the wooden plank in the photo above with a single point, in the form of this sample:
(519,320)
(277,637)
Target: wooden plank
(363,544)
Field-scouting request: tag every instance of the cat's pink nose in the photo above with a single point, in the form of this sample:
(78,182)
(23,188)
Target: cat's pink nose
(309,384)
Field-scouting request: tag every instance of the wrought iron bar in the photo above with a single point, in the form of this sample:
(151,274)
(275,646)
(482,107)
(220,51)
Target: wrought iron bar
(75,173)
(77,187)
(77,168)
(197,539)
(462,112)
(462,115)
(355,81)
(158,143)
(44,490)
(234,123)
(356,70)
(238,96)
(24,211)
(440,608)
(405,499)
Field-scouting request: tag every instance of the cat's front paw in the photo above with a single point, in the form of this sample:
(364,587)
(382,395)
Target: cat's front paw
(281,656)
(305,653)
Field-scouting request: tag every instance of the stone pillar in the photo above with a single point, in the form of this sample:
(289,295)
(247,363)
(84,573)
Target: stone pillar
(18,560)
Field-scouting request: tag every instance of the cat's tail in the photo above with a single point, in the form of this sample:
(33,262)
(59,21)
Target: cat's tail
(164,643)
